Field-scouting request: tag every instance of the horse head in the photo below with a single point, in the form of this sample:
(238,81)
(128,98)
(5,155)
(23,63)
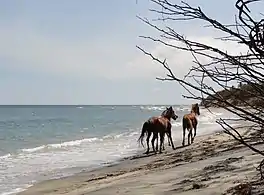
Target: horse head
(196,109)
(171,113)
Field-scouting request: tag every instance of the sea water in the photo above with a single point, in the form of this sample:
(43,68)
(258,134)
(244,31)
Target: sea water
(44,142)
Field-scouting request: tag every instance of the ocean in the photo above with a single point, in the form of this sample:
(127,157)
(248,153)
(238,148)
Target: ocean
(44,142)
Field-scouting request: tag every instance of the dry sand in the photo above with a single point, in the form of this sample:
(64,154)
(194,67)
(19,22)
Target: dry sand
(213,164)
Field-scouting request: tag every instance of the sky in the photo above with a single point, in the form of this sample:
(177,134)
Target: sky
(84,52)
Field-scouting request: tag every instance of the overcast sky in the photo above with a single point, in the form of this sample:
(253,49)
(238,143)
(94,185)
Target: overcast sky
(84,52)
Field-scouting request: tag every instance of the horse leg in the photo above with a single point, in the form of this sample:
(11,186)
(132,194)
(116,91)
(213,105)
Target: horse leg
(155,136)
(194,125)
(163,145)
(189,136)
(149,134)
(183,136)
(170,138)
(161,140)
(157,144)
(194,128)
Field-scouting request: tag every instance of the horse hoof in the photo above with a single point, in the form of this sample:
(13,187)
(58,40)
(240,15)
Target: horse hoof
(160,152)
(174,148)
(147,152)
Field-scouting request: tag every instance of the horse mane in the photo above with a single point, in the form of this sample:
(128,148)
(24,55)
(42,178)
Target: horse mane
(164,113)
(193,107)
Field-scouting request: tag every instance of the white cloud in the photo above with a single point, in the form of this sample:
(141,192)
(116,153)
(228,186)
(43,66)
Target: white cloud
(32,50)
(179,61)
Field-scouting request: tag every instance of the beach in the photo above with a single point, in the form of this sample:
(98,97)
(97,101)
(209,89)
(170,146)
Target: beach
(41,143)
(86,84)
(213,164)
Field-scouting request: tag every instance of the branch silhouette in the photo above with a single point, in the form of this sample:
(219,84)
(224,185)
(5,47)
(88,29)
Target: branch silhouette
(221,68)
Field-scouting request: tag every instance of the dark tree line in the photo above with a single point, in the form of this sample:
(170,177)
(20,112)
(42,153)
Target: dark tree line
(222,68)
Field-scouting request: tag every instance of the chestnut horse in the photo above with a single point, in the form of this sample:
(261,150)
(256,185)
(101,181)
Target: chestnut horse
(168,132)
(190,123)
(158,125)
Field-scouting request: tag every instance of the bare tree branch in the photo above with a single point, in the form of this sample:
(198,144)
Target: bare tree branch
(214,67)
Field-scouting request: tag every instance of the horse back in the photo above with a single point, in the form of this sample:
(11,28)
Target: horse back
(186,122)
(153,120)
(159,122)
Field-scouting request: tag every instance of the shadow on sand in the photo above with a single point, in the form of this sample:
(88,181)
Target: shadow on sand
(151,153)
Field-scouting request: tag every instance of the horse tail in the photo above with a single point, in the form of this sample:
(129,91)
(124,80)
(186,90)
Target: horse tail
(143,132)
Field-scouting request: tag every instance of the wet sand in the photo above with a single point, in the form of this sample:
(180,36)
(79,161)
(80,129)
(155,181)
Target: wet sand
(213,164)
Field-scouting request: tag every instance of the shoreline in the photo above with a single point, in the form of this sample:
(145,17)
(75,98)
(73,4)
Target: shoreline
(173,171)
(71,153)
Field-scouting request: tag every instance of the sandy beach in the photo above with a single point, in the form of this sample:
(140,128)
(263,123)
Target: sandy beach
(213,164)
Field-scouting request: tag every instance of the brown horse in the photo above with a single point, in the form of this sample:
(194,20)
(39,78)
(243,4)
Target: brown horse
(168,132)
(190,123)
(158,125)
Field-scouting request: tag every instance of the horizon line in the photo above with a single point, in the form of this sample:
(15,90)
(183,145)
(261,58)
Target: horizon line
(89,104)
